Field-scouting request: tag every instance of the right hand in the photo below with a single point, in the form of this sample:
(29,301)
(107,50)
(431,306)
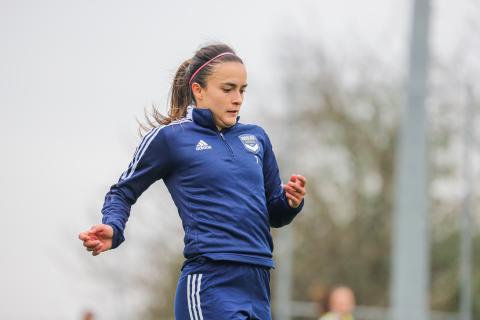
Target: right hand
(98,239)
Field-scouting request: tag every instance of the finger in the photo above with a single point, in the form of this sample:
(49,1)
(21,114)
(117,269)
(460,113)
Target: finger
(91,244)
(94,229)
(95,248)
(298,179)
(297,188)
(295,202)
(83,236)
(96,235)
(97,229)
(98,248)
(303,180)
(290,191)
(90,248)
(97,252)
(293,196)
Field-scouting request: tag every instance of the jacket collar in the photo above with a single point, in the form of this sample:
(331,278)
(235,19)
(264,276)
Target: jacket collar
(204,117)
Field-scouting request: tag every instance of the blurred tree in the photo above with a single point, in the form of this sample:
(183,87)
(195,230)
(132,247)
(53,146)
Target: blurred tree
(347,124)
(162,290)
(345,116)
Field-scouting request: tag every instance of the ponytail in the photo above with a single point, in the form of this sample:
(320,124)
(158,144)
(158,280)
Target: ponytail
(180,93)
(180,98)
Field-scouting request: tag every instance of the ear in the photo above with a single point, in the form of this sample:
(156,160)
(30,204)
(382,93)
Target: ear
(197,91)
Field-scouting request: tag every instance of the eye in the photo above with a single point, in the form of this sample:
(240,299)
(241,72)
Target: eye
(226,90)
(242,91)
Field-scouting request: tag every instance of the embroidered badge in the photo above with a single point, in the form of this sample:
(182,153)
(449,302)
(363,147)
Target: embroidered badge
(250,142)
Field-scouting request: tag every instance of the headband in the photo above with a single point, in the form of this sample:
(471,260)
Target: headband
(203,65)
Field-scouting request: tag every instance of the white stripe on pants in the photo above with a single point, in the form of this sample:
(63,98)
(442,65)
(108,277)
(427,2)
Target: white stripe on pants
(193,296)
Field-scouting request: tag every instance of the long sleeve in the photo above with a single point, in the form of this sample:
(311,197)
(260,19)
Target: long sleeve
(149,164)
(280,212)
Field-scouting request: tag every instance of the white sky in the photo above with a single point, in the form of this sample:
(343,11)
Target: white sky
(75,74)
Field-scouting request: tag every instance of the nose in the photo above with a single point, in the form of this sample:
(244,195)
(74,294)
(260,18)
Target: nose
(237,98)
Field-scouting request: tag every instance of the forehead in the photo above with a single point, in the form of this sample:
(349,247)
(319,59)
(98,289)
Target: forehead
(342,294)
(228,72)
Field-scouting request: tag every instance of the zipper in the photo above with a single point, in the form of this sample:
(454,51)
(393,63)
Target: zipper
(227,145)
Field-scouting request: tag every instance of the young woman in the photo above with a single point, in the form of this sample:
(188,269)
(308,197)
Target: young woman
(224,180)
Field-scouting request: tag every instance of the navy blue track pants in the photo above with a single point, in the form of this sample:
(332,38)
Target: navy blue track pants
(210,290)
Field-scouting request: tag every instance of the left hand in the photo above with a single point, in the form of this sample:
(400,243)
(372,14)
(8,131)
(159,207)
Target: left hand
(295,190)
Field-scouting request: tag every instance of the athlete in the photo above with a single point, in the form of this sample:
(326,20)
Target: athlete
(224,180)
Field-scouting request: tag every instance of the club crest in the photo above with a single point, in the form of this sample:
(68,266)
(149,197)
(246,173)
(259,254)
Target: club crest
(250,142)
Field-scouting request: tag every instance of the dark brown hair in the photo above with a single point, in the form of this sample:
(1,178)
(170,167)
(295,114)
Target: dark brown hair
(181,90)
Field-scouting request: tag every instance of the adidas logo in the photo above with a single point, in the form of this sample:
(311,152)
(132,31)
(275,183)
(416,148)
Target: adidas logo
(202,145)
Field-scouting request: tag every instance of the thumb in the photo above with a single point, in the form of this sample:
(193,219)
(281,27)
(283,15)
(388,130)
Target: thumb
(95,229)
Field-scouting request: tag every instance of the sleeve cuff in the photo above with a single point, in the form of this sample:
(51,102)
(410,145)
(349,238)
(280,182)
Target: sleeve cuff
(118,237)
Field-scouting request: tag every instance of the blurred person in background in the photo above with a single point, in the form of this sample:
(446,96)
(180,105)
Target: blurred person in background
(88,315)
(223,178)
(341,303)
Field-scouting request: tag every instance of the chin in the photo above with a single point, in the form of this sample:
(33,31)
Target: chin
(229,122)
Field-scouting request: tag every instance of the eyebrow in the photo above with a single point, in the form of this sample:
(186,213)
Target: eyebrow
(233,84)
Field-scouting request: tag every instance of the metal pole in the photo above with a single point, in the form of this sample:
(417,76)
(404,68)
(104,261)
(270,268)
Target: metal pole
(285,238)
(410,274)
(466,221)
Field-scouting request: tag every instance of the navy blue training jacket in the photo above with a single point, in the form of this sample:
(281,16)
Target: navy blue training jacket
(225,184)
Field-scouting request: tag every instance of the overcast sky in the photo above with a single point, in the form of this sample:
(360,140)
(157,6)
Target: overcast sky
(74,75)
